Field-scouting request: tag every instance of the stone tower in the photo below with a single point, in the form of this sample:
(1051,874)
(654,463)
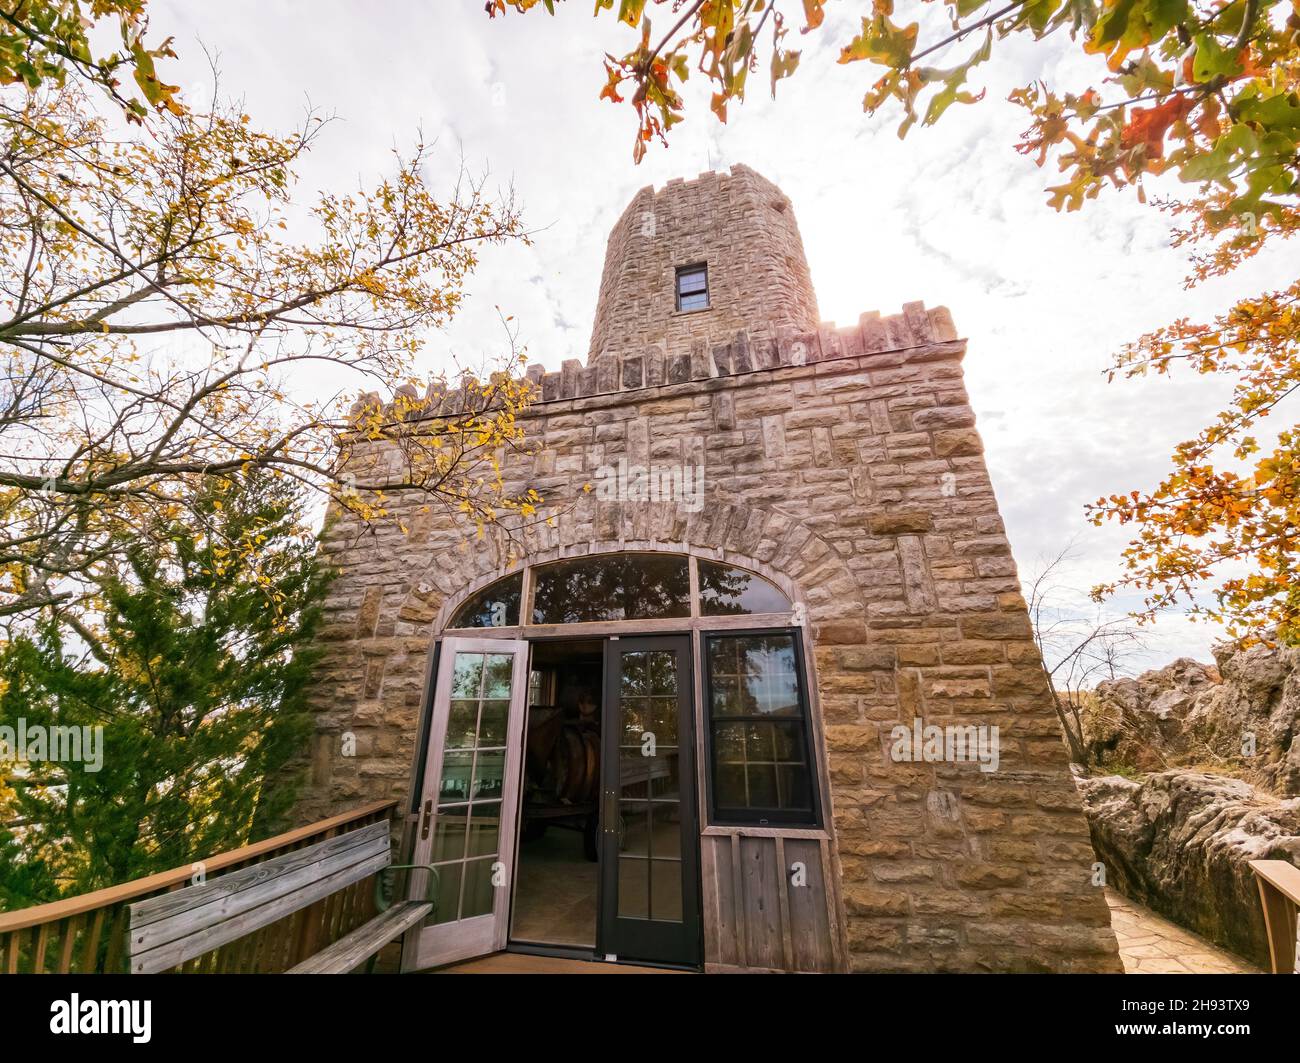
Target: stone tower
(843,466)
(739,224)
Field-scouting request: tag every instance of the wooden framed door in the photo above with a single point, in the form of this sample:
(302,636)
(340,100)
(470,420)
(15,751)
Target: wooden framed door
(470,800)
(650,907)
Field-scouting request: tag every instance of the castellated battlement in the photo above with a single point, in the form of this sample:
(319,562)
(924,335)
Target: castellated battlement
(892,338)
(760,313)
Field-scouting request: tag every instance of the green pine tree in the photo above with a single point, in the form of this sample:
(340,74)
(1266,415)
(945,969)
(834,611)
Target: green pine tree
(194,662)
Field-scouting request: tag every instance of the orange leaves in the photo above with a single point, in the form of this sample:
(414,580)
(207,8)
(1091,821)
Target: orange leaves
(1250,68)
(613,78)
(1207,118)
(1049,129)
(1126,26)
(652,72)
(1202,517)
(1180,71)
(813,14)
(1148,125)
(498,7)
(720,38)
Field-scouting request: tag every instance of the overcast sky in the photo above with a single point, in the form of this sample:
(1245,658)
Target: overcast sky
(952,216)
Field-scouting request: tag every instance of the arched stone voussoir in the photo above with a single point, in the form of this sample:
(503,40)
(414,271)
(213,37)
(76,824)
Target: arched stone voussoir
(468,563)
(752,537)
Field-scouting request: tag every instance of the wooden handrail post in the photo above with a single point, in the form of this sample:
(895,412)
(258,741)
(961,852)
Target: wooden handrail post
(1279,896)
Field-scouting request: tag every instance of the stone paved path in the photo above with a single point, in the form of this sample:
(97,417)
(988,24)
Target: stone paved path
(1151,944)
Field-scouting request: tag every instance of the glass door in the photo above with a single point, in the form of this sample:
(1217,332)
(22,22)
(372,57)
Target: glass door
(649,833)
(470,798)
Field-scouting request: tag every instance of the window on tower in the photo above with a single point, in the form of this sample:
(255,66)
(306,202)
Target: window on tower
(693,287)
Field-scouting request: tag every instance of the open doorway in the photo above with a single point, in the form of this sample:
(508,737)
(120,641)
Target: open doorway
(558,870)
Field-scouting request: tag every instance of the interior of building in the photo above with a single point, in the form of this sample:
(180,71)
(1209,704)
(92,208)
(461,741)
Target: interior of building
(555,900)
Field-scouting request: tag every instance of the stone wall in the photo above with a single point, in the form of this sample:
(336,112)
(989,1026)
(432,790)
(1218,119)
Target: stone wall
(848,462)
(739,224)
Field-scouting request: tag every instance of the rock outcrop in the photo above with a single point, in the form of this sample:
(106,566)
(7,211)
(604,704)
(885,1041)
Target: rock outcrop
(1181,843)
(1240,716)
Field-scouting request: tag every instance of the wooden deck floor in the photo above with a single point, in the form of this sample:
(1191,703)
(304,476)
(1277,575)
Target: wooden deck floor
(519,963)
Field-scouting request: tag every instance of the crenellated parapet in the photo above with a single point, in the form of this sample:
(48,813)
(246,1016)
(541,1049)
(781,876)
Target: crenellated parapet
(653,366)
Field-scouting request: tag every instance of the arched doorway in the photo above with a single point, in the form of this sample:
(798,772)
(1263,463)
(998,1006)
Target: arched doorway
(590,717)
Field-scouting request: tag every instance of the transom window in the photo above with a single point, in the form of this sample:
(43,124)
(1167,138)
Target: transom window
(757,742)
(612,587)
(496,605)
(728,591)
(601,588)
(693,287)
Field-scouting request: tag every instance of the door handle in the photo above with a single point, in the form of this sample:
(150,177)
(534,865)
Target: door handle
(424,823)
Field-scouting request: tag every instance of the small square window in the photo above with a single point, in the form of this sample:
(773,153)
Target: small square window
(693,288)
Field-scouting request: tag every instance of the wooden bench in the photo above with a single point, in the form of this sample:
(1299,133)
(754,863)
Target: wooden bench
(171,928)
(1279,895)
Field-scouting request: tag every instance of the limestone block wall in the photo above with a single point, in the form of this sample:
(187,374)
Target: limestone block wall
(742,226)
(848,461)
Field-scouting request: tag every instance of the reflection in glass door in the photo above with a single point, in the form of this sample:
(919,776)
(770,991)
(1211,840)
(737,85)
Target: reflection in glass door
(467,810)
(650,887)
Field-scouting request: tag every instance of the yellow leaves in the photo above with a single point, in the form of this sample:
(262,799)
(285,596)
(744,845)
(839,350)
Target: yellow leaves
(717,20)
(385,268)
(881,41)
(629,11)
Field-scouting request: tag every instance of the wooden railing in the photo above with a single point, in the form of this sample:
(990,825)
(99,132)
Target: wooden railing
(1279,894)
(87,933)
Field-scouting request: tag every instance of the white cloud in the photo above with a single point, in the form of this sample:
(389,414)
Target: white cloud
(953,215)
